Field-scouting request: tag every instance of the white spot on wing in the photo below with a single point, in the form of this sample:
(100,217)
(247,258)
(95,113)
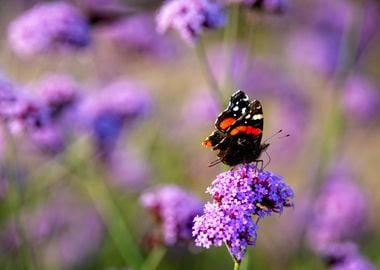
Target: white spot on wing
(243,110)
(248,116)
(236,108)
(257,117)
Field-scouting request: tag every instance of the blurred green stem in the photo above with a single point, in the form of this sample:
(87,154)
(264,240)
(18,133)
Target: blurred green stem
(213,84)
(154,258)
(113,218)
(16,201)
(230,36)
(236,265)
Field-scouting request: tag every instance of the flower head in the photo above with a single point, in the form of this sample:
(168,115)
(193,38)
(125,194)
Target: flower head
(58,92)
(346,256)
(361,99)
(270,6)
(48,27)
(239,195)
(340,214)
(105,113)
(190,17)
(173,208)
(145,42)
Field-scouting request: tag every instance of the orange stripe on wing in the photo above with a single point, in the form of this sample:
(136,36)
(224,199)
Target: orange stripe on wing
(245,129)
(226,123)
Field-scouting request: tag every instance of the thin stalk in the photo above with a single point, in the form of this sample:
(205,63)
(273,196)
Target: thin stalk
(209,76)
(236,265)
(154,258)
(230,36)
(112,216)
(16,199)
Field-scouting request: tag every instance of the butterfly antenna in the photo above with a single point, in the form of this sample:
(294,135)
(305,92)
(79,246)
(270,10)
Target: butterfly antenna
(215,162)
(278,132)
(269,158)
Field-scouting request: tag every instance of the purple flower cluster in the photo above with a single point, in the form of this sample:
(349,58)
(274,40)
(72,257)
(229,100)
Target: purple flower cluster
(174,209)
(346,256)
(340,214)
(271,6)
(146,42)
(238,196)
(48,27)
(66,229)
(105,113)
(190,17)
(58,92)
(361,99)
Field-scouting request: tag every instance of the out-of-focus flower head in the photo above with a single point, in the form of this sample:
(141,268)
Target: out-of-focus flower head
(340,212)
(48,27)
(66,231)
(238,196)
(317,44)
(129,170)
(271,6)
(361,99)
(174,209)
(346,256)
(10,238)
(22,113)
(48,139)
(58,92)
(200,109)
(145,41)
(102,11)
(190,17)
(106,112)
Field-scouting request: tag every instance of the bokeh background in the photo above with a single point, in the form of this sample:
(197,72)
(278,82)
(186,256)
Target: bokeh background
(103,119)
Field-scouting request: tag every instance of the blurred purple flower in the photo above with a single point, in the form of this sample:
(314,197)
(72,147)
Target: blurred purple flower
(199,110)
(65,230)
(58,92)
(146,41)
(271,6)
(10,239)
(340,212)
(190,17)
(48,139)
(174,209)
(105,113)
(345,256)
(48,27)
(129,171)
(314,50)
(238,196)
(361,99)
(317,44)
(102,11)
(22,113)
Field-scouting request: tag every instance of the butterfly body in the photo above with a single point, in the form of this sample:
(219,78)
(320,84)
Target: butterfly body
(238,131)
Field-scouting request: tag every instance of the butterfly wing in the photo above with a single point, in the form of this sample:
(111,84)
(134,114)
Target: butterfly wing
(236,108)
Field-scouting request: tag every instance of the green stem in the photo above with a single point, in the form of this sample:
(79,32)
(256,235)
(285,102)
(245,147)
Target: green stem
(154,258)
(16,198)
(230,36)
(236,265)
(114,222)
(201,55)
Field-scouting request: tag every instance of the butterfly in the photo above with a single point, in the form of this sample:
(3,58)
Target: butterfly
(238,133)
